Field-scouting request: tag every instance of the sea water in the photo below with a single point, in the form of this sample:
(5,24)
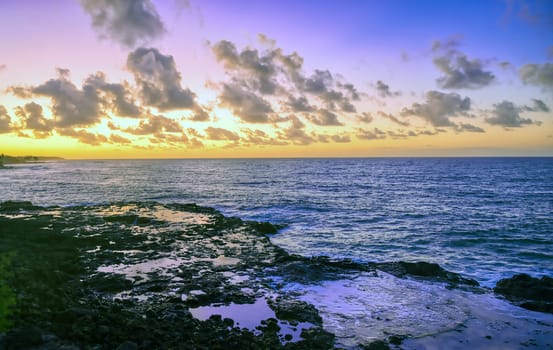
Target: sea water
(486,218)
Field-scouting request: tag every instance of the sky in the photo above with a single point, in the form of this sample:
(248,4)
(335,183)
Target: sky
(229,79)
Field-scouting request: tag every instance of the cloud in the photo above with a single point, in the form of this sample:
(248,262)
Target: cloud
(325,118)
(340,138)
(199,115)
(118,97)
(299,104)
(33,119)
(365,117)
(270,72)
(383,90)
(459,71)
(296,133)
(71,106)
(438,107)
(468,128)
(155,124)
(537,74)
(375,134)
(244,104)
(5,120)
(261,70)
(114,138)
(128,22)
(158,80)
(84,136)
(537,106)
(506,114)
(2,67)
(393,118)
(220,134)
(259,137)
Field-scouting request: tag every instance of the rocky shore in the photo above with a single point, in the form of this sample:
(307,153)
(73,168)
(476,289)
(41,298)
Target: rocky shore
(151,276)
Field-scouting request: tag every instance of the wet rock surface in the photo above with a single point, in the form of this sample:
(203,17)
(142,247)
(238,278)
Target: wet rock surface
(178,276)
(529,292)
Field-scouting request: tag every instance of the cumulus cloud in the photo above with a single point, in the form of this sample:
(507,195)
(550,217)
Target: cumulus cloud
(324,118)
(507,114)
(299,104)
(259,137)
(340,138)
(365,117)
(271,72)
(296,133)
(158,80)
(155,124)
(5,120)
(438,107)
(459,71)
(393,118)
(383,90)
(84,136)
(462,127)
(244,104)
(220,134)
(537,106)
(260,69)
(537,74)
(114,138)
(33,119)
(118,97)
(128,22)
(199,115)
(375,134)
(71,106)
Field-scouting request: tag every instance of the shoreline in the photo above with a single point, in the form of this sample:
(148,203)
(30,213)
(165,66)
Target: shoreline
(136,256)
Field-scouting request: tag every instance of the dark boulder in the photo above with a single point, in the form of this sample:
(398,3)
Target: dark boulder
(528,292)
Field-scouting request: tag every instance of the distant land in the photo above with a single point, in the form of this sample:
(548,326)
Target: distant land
(5,159)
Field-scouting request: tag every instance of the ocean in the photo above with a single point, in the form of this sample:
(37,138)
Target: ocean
(486,218)
(483,218)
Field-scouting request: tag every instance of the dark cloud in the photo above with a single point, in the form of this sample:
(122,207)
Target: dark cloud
(365,117)
(261,70)
(118,97)
(158,80)
(296,133)
(259,137)
(537,74)
(128,22)
(393,118)
(324,118)
(438,107)
(459,71)
(506,114)
(155,124)
(270,72)
(199,115)
(84,136)
(5,120)
(244,104)
(71,106)
(537,106)
(375,134)
(340,138)
(299,104)
(383,90)
(33,119)
(220,134)
(114,138)
(468,128)
(19,91)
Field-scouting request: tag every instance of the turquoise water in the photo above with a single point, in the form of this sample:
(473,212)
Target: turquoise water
(486,218)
